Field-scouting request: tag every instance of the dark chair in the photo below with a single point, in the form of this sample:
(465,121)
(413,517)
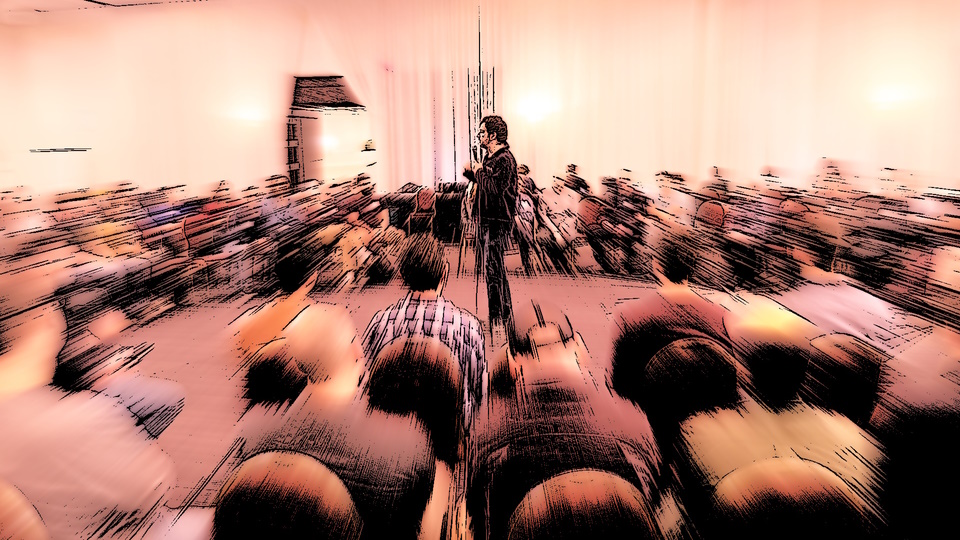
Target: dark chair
(583,504)
(844,376)
(686,377)
(420,375)
(787,498)
(285,495)
(645,325)
(424,212)
(797,472)
(773,343)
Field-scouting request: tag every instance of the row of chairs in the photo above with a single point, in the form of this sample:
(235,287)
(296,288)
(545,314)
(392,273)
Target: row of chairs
(747,422)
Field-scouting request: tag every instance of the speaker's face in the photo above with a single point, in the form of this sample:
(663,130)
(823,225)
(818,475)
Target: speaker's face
(484,138)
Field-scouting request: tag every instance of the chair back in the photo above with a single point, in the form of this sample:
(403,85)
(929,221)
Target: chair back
(583,504)
(285,495)
(420,375)
(788,498)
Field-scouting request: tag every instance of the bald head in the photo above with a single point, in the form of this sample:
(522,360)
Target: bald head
(322,340)
(18,518)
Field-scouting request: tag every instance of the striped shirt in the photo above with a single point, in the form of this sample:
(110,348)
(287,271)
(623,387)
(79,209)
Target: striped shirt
(458,329)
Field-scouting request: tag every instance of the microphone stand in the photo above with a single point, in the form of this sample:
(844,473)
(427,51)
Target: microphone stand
(466,225)
(480,249)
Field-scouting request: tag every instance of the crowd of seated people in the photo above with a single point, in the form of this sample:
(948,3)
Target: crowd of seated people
(767,419)
(679,446)
(146,251)
(722,412)
(761,236)
(80,424)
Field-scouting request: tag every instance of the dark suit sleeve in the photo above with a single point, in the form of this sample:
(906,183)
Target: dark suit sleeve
(501,175)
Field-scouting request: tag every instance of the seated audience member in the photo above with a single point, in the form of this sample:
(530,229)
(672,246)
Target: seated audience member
(419,375)
(670,312)
(262,324)
(271,377)
(387,245)
(78,458)
(530,217)
(359,252)
(385,461)
(87,365)
(562,206)
(355,253)
(424,311)
(18,518)
(686,377)
(547,416)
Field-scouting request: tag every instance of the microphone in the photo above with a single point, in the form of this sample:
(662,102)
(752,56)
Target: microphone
(476,153)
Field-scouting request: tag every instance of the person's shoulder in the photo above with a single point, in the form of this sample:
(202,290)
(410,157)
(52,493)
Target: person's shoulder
(381,313)
(504,154)
(508,155)
(465,315)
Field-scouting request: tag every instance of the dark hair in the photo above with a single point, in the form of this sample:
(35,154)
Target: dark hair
(496,126)
(422,263)
(273,379)
(677,256)
(79,367)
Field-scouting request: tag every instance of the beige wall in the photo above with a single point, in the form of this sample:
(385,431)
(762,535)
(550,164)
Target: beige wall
(198,92)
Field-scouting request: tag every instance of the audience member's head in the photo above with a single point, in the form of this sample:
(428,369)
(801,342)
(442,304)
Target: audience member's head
(18,518)
(676,256)
(423,264)
(685,377)
(353,218)
(273,377)
(535,323)
(30,343)
(773,343)
(262,324)
(577,185)
(322,340)
(529,186)
(85,364)
(543,344)
(558,184)
(285,495)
